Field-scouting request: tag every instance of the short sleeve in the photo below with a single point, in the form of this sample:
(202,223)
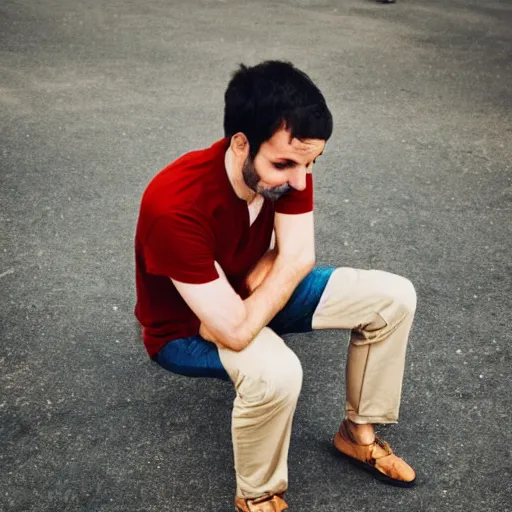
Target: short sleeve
(181,245)
(296,201)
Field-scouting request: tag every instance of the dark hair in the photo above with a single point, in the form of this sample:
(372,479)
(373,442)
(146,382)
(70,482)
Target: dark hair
(261,99)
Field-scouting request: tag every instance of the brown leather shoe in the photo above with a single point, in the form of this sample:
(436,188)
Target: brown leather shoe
(377,458)
(265,504)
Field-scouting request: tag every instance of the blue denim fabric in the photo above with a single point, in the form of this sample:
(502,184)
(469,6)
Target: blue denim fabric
(197,357)
(192,357)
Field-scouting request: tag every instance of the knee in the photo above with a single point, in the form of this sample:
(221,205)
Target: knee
(395,303)
(405,295)
(284,382)
(279,384)
(398,297)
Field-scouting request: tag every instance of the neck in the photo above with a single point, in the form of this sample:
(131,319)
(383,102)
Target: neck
(235,176)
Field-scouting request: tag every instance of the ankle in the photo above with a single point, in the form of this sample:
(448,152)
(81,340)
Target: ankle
(362,433)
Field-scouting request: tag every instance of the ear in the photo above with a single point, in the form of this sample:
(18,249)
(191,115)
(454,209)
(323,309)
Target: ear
(240,146)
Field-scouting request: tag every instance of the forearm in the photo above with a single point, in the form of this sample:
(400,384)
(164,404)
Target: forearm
(271,283)
(271,295)
(260,271)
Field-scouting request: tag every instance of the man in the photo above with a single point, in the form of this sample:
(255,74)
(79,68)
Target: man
(225,264)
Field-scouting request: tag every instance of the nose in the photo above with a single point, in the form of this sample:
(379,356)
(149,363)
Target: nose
(297,179)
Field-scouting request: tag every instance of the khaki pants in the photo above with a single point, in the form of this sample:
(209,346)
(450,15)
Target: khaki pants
(378,308)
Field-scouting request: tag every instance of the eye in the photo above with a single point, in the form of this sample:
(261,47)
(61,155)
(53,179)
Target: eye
(280,165)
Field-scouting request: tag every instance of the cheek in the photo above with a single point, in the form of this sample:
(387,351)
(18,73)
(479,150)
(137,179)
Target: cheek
(270,176)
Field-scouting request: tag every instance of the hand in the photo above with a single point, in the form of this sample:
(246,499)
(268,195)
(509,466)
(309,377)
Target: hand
(207,335)
(260,271)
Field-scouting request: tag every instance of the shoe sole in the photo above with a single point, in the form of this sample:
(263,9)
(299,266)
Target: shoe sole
(240,510)
(374,471)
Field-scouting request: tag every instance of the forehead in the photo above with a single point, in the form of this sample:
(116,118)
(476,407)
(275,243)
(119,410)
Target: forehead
(282,145)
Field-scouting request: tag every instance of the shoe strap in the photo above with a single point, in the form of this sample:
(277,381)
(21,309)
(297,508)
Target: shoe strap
(372,447)
(382,444)
(277,503)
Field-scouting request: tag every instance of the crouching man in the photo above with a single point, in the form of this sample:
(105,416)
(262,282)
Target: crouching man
(225,265)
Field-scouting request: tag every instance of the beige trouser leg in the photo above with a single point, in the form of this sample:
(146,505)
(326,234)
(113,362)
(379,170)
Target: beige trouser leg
(378,307)
(268,377)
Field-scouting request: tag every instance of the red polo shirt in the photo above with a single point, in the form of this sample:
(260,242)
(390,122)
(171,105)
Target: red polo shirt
(189,218)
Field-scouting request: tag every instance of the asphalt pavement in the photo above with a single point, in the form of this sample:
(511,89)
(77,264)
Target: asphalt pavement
(96,96)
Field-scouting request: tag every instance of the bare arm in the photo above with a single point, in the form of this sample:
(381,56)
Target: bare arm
(272,294)
(273,280)
(294,260)
(260,271)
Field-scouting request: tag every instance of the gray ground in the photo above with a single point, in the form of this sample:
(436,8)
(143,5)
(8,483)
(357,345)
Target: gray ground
(96,96)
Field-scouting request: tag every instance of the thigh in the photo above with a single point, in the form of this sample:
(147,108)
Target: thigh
(197,357)
(297,315)
(192,357)
(357,299)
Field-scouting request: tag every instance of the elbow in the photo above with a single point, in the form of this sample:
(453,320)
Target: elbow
(305,257)
(235,340)
(309,263)
(236,337)
(304,263)
(300,261)
(240,337)
(239,345)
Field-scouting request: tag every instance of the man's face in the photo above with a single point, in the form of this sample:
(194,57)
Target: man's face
(281,164)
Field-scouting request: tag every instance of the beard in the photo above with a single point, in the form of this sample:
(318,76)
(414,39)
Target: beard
(252,180)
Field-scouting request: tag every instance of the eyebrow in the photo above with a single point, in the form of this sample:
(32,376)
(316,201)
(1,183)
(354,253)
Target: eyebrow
(287,162)
(291,163)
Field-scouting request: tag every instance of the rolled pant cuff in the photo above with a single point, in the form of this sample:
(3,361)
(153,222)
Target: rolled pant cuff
(255,494)
(365,420)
